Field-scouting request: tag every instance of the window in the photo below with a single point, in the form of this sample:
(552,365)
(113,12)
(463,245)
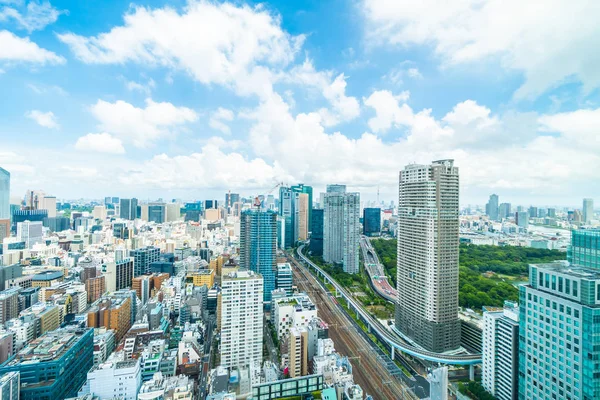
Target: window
(574,288)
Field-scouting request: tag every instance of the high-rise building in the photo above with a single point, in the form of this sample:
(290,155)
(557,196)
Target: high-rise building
(57,224)
(584,249)
(157,212)
(500,355)
(588,210)
(241,319)
(208,204)
(143,258)
(341,228)
(116,380)
(298,352)
(372,221)
(504,211)
(533,212)
(308,190)
(27,215)
(285,279)
(288,207)
(49,203)
(10,383)
(559,344)
(522,219)
(230,200)
(9,304)
(128,208)
(302,216)
(491,208)
(258,246)
(427,308)
(438,379)
(316,236)
(119,274)
(552,212)
(30,232)
(4,194)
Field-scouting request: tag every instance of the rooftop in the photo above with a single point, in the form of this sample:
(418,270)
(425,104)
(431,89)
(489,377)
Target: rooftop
(48,276)
(575,271)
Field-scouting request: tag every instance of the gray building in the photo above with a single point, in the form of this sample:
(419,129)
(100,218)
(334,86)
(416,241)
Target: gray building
(522,219)
(504,211)
(143,258)
(588,210)
(4,194)
(491,208)
(157,212)
(128,208)
(427,309)
(341,227)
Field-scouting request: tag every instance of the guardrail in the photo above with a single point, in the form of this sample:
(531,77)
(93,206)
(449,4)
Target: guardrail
(385,334)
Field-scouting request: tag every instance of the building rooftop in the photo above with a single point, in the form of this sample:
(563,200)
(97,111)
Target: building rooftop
(575,271)
(48,276)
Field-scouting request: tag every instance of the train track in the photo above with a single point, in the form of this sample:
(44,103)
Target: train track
(369,370)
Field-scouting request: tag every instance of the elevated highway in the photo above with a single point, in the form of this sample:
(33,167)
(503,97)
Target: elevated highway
(392,339)
(379,280)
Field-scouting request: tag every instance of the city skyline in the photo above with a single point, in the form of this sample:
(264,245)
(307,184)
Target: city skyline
(286,95)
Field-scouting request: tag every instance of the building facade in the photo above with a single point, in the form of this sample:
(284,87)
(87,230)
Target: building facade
(371,221)
(491,208)
(4,194)
(588,210)
(143,258)
(585,248)
(427,278)
(341,228)
(316,236)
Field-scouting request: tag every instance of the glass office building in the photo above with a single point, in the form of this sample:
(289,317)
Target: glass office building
(559,333)
(258,246)
(288,388)
(585,248)
(372,221)
(316,237)
(4,194)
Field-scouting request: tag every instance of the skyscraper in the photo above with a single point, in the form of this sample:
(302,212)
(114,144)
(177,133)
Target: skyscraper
(128,208)
(371,221)
(504,211)
(522,219)
(157,212)
(258,246)
(559,344)
(288,206)
(588,210)
(241,318)
(308,190)
(302,220)
(585,248)
(491,208)
(341,227)
(316,236)
(427,309)
(4,194)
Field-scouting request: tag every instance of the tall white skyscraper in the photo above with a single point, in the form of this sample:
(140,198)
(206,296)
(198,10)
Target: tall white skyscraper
(30,232)
(4,194)
(588,210)
(500,366)
(241,318)
(341,227)
(427,309)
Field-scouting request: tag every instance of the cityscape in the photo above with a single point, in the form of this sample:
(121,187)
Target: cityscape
(311,200)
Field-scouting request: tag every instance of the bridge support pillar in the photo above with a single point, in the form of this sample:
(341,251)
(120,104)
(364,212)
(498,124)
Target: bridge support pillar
(392,353)
(472,372)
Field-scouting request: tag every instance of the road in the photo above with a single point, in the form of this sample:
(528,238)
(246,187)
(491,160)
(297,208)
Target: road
(376,272)
(370,369)
(203,375)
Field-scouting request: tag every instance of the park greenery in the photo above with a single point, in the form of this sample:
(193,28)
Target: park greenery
(474,390)
(488,274)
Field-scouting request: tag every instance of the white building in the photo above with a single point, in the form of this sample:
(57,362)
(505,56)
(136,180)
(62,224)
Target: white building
(241,318)
(115,379)
(292,312)
(500,358)
(30,232)
(341,227)
(438,380)
(10,384)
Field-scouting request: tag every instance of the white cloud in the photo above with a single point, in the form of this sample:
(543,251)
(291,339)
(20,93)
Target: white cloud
(214,43)
(101,143)
(45,89)
(388,110)
(141,126)
(218,120)
(141,87)
(550,42)
(580,128)
(17,49)
(45,119)
(36,16)
(406,68)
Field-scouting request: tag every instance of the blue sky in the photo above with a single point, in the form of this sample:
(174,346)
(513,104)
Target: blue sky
(191,99)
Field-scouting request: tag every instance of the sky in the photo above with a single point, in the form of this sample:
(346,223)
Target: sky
(190,99)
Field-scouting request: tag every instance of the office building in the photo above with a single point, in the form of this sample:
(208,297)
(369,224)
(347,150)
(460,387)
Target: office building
(10,384)
(258,242)
(143,258)
(438,380)
(500,355)
(504,211)
(341,228)
(298,352)
(115,379)
(588,210)
(559,345)
(27,215)
(551,212)
(57,224)
(293,311)
(584,249)
(307,190)
(371,221)
(427,308)
(284,279)
(208,204)
(48,203)
(30,232)
(202,277)
(128,208)
(119,274)
(112,312)
(288,207)
(316,236)
(157,212)
(142,285)
(95,288)
(241,319)
(55,365)
(47,278)
(9,304)
(230,200)
(302,217)
(4,194)
(491,208)
(4,229)
(522,219)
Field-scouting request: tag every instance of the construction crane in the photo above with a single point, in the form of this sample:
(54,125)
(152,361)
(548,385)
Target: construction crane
(257,202)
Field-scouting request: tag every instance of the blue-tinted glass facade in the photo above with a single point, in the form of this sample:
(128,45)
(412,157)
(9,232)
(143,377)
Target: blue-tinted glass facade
(56,376)
(57,224)
(142,258)
(585,248)
(4,194)
(157,213)
(27,215)
(316,237)
(287,209)
(372,221)
(258,246)
(302,188)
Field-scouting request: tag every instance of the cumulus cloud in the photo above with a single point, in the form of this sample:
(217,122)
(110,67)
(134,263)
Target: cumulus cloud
(219,118)
(214,43)
(141,126)
(538,40)
(146,88)
(101,143)
(45,119)
(17,49)
(36,16)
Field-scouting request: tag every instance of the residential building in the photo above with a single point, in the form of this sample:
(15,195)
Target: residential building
(308,190)
(302,217)
(371,221)
(500,355)
(559,347)
(241,320)
(258,241)
(316,236)
(95,288)
(522,219)
(142,285)
(341,228)
(143,258)
(298,352)
(115,379)
(585,248)
(427,308)
(111,312)
(588,210)
(9,304)
(284,279)
(491,208)
(119,274)
(55,365)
